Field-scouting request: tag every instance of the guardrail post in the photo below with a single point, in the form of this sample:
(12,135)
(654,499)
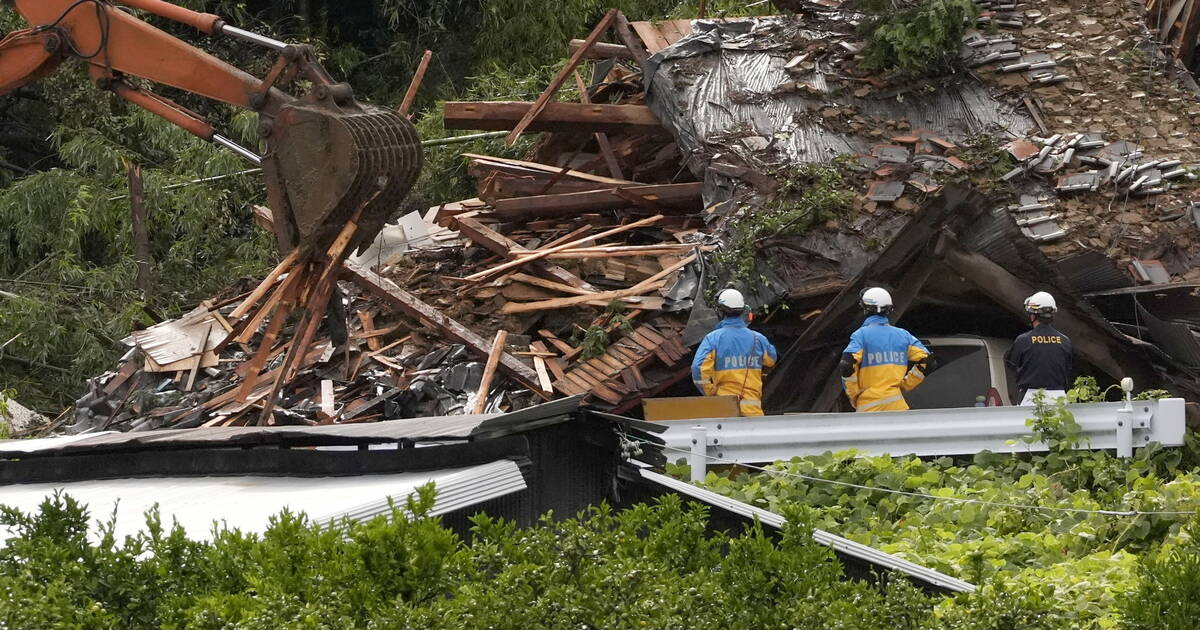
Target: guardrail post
(698,459)
(1125,421)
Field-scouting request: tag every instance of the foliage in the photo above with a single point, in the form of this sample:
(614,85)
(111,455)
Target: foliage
(650,566)
(594,342)
(918,40)
(1053,425)
(1168,592)
(1060,554)
(809,195)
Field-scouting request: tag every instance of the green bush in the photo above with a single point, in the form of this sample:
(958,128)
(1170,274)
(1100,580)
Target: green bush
(915,39)
(1079,564)
(651,566)
(1168,593)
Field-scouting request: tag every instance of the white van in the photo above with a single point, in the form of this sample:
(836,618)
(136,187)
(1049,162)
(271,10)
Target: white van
(968,368)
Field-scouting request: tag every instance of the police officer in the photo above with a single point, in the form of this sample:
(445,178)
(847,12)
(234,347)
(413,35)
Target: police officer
(882,361)
(1041,357)
(731,359)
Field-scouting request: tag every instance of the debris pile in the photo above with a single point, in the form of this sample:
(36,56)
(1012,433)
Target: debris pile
(583,269)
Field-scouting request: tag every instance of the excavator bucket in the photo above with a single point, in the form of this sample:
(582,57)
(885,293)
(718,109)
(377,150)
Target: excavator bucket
(324,160)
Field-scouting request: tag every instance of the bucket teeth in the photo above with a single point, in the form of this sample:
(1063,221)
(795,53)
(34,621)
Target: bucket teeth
(366,156)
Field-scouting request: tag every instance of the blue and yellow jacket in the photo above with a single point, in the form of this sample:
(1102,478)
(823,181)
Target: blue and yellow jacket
(882,355)
(730,362)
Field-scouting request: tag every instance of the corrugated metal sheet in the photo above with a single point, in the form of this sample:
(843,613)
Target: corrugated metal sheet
(248,502)
(1177,340)
(843,546)
(415,429)
(724,80)
(455,490)
(1090,270)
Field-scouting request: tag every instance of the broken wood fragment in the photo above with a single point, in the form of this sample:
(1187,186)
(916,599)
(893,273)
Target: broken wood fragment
(498,243)
(602,50)
(545,168)
(632,42)
(680,197)
(489,371)
(410,305)
(542,253)
(560,78)
(577,117)
(410,95)
(266,284)
(610,159)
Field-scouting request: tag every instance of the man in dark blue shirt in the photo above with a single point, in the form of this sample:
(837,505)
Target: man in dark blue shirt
(1041,357)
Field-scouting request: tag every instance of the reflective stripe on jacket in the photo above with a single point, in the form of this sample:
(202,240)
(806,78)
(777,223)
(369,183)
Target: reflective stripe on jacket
(882,354)
(730,362)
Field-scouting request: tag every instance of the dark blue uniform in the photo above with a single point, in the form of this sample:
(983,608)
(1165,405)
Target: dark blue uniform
(1041,358)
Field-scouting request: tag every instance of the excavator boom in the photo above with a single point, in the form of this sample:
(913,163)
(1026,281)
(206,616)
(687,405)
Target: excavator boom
(325,155)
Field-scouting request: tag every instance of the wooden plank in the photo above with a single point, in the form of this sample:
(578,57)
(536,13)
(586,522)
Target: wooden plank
(602,50)
(557,303)
(368,326)
(327,402)
(650,284)
(500,244)
(577,117)
(637,376)
(548,284)
(542,253)
(681,197)
(610,159)
(489,371)
(650,36)
(561,77)
(570,236)
(266,284)
(539,366)
(498,182)
(555,341)
(410,305)
(626,34)
(410,94)
(545,168)
(563,386)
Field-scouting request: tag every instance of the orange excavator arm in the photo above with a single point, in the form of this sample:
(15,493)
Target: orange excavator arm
(325,154)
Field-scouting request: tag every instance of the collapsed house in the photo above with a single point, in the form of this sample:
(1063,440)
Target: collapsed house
(1059,161)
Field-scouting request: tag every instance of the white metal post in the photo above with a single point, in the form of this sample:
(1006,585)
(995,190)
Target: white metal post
(698,459)
(1125,421)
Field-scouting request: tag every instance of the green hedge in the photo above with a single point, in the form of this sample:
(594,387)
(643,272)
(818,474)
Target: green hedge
(652,566)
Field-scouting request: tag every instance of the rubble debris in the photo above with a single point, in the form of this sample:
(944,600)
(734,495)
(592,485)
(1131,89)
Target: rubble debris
(581,269)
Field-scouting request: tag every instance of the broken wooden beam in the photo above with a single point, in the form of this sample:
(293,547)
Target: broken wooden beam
(498,243)
(410,95)
(410,305)
(682,197)
(581,117)
(520,167)
(602,50)
(624,31)
(542,253)
(535,110)
(489,371)
(610,159)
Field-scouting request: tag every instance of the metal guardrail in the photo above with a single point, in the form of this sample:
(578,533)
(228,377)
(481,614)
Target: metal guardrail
(933,432)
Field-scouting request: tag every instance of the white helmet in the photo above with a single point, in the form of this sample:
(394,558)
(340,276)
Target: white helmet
(876,300)
(1041,304)
(731,300)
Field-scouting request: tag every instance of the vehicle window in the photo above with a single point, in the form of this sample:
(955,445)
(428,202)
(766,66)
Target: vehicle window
(963,374)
